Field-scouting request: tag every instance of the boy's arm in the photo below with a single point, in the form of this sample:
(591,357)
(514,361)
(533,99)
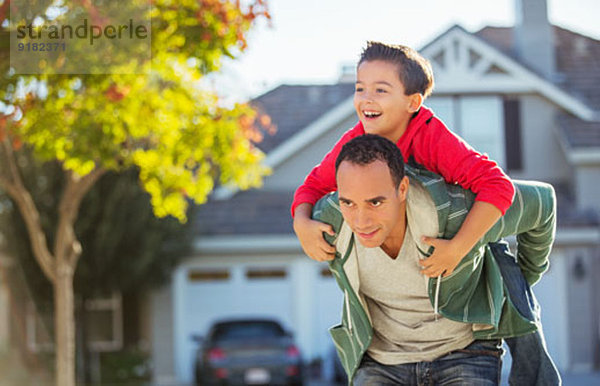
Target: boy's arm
(310,234)
(445,153)
(448,253)
(317,184)
(321,179)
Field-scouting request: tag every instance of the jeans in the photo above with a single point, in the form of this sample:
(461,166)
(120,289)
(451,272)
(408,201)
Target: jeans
(531,363)
(478,364)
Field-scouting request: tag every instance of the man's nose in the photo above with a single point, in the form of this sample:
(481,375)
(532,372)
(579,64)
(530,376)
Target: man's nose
(362,220)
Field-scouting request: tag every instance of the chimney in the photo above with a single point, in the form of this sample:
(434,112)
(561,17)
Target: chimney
(534,36)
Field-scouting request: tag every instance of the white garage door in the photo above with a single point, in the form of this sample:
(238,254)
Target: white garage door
(205,294)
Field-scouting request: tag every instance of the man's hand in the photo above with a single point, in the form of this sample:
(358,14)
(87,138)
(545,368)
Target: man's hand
(444,258)
(310,234)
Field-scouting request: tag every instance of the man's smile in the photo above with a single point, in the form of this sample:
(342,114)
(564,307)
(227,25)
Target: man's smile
(367,235)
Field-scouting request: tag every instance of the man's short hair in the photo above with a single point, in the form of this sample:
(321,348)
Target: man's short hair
(414,70)
(368,148)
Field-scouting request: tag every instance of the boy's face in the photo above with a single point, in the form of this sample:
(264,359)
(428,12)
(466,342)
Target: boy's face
(370,203)
(380,102)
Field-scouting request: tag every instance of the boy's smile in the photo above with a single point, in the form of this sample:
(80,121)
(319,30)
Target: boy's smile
(380,101)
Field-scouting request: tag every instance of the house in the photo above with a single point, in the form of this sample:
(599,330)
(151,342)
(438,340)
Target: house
(528,95)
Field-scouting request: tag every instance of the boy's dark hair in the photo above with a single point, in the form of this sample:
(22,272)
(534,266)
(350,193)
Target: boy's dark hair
(368,148)
(413,69)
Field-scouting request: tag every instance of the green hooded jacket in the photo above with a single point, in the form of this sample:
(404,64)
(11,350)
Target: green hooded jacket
(474,292)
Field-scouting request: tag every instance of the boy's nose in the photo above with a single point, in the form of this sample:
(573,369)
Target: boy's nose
(366,97)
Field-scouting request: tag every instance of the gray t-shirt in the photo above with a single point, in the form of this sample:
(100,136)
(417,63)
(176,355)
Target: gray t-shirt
(405,327)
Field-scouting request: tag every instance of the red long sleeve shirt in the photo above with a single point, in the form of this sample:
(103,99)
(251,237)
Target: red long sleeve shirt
(435,147)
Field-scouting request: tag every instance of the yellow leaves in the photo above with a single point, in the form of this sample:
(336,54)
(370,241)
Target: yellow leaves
(178,135)
(81,167)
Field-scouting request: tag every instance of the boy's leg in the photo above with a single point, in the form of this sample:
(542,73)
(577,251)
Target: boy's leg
(531,363)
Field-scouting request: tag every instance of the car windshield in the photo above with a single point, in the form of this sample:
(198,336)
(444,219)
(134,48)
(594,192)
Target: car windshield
(248,330)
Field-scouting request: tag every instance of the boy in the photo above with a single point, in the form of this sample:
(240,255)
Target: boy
(392,83)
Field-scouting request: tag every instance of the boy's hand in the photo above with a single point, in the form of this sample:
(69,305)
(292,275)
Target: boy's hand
(444,258)
(310,234)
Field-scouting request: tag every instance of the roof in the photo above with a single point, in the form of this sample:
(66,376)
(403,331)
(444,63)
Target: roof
(568,215)
(251,212)
(577,60)
(578,133)
(294,107)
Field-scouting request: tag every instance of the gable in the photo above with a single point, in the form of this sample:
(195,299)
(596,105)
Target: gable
(463,63)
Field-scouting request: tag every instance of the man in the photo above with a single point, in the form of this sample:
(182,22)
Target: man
(398,326)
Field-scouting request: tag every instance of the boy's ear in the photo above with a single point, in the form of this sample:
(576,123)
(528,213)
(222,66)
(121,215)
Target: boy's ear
(415,102)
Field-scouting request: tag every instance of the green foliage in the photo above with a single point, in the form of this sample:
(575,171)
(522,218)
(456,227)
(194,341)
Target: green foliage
(125,247)
(162,122)
(127,367)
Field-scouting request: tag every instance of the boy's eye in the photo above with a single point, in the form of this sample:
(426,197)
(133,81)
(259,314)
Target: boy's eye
(381,91)
(358,89)
(347,204)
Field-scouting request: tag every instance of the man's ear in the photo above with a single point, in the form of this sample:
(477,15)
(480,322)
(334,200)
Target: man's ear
(415,102)
(403,188)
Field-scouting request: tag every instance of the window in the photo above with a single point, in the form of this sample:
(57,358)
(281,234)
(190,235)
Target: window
(478,119)
(104,326)
(104,323)
(266,273)
(39,338)
(208,275)
(512,134)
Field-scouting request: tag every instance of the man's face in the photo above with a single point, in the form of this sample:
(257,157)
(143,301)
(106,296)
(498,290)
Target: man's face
(380,101)
(370,203)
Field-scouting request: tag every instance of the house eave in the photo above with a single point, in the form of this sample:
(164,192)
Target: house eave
(585,157)
(247,243)
(569,236)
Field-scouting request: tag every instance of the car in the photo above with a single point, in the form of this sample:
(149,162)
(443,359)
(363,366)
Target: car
(248,352)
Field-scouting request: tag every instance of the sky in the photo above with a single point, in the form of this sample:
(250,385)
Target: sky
(309,41)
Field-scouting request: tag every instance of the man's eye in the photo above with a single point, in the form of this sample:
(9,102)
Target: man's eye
(347,204)
(358,89)
(381,91)
(376,203)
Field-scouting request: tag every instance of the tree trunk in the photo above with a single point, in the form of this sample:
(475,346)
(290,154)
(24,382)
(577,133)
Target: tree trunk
(59,267)
(64,318)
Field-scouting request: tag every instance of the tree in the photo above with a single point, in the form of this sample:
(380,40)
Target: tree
(125,248)
(163,123)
